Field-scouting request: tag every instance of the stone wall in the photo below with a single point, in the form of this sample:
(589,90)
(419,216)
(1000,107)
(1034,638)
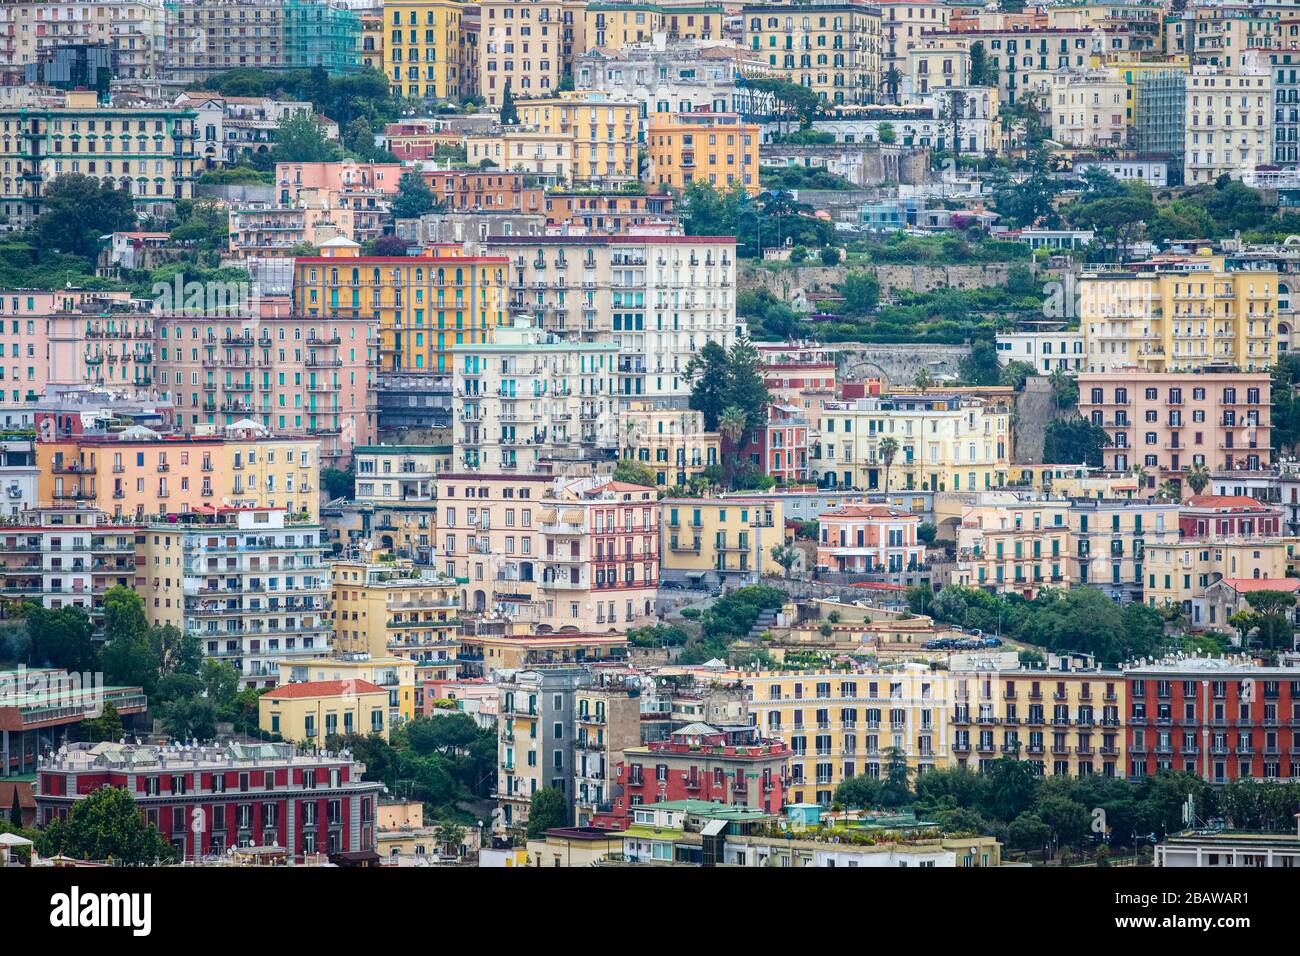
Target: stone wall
(806,283)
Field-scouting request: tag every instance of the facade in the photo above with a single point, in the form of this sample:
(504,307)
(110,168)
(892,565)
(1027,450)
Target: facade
(717,540)
(1045,351)
(248,582)
(421,44)
(1221,142)
(528,63)
(1006,713)
(839,725)
(147,151)
(529,398)
(424,305)
(196,47)
(671,442)
(313,711)
(861,539)
(324,35)
(605,134)
(836,49)
(714,148)
(1020,547)
(292,376)
(782,444)
(1168,422)
(1218,718)
(394,675)
(1089,109)
(942,443)
(607,722)
(1109,541)
(205,800)
(676,77)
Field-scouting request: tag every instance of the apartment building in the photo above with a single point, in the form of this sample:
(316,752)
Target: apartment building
(529,399)
(609,211)
(394,675)
(249,582)
(392,609)
(421,45)
(206,37)
(1019,547)
(1110,538)
(617,26)
(1223,719)
(311,712)
(733,766)
(147,151)
(839,725)
(134,29)
(291,375)
(671,442)
(547,158)
(527,47)
(605,133)
(373,29)
(950,442)
(75,346)
(681,76)
(1225,35)
(243,795)
(903,24)
(607,721)
(1229,112)
(658,298)
(861,539)
(424,305)
(355,195)
(1004,713)
(393,474)
(1179,574)
(66,556)
(715,540)
(834,48)
(714,148)
(322,35)
(1045,351)
(1166,422)
(1286,97)
(463,190)
(1089,109)
(1180,315)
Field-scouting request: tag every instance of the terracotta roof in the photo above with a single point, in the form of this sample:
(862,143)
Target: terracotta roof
(1246,585)
(324,688)
(1223,501)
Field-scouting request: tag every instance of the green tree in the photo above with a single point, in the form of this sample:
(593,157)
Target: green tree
(707,373)
(888,449)
(220,681)
(860,792)
(300,139)
(175,651)
(414,197)
(106,825)
(886,133)
(861,293)
(509,114)
(1015,374)
(1070,440)
(446,734)
(634,472)
(1198,476)
(1028,832)
(896,790)
(76,211)
(1274,623)
(732,427)
(107,726)
(60,637)
(338,484)
(127,657)
(786,556)
(190,718)
(546,810)
(980,366)
(830,256)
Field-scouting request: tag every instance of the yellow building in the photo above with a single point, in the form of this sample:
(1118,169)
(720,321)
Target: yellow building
(424,304)
(834,49)
(841,724)
(614,26)
(549,156)
(671,442)
(1066,723)
(605,133)
(716,540)
(1177,574)
(1179,315)
(1111,538)
(527,47)
(1021,548)
(394,674)
(421,48)
(715,148)
(953,442)
(372,42)
(312,712)
(391,609)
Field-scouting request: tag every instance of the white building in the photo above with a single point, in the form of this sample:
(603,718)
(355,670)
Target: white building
(1229,849)
(681,77)
(1045,351)
(1229,118)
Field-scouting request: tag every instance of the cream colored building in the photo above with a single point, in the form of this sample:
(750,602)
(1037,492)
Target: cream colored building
(671,442)
(135,29)
(1229,117)
(393,474)
(1089,109)
(546,155)
(1179,315)
(720,540)
(396,675)
(527,46)
(948,442)
(1019,548)
(835,49)
(528,398)
(1178,573)
(1110,541)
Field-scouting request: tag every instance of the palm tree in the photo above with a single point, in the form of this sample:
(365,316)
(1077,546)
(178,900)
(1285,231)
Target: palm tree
(888,449)
(1169,491)
(893,79)
(923,380)
(1141,475)
(732,424)
(1198,476)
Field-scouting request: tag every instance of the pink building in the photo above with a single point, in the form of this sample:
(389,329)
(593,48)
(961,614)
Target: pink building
(1168,421)
(783,444)
(362,189)
(858,539)
(293,375)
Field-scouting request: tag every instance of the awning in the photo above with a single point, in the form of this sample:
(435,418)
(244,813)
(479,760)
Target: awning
(713,828)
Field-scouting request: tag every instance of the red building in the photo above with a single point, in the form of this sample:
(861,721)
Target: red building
(206,799)
(782,444)
(1228,516)
(727,765)
(1220,719)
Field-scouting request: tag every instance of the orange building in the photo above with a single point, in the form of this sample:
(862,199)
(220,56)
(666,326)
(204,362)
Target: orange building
(714,147)
(464,190)
(858,539)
